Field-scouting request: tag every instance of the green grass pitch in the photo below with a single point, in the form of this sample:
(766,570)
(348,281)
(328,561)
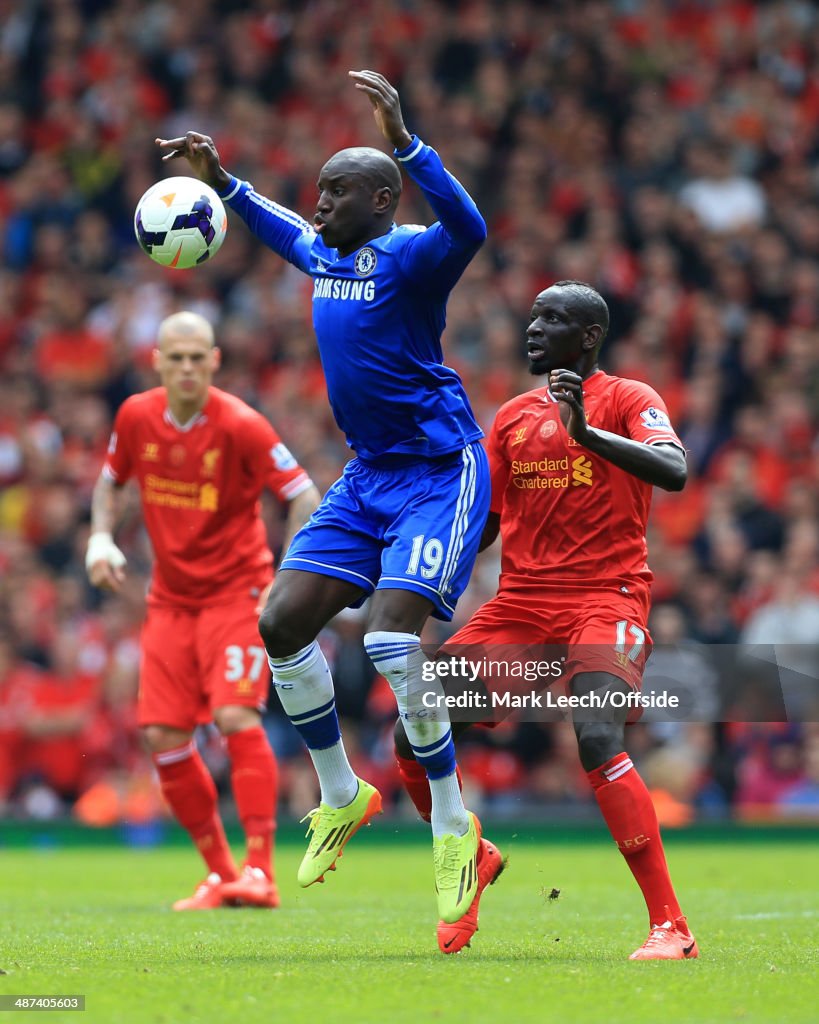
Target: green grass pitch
(361,948)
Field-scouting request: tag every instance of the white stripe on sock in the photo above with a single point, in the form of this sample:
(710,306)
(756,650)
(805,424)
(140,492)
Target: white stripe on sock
(618,770)
(175,755)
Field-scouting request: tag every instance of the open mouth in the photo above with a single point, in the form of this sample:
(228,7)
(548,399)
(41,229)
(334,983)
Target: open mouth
(534,351)
(318,225)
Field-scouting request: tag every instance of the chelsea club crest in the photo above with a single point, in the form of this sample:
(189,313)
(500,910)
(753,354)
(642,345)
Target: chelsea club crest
(365,262)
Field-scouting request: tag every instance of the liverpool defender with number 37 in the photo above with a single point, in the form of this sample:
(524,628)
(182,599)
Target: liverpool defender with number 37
(572,466)
(201,458)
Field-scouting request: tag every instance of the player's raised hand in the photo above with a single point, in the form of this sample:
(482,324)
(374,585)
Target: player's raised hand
(567,388)
(386,106)
(202,155)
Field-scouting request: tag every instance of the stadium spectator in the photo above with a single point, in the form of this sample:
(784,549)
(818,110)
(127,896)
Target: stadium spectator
(50,718)
(801,799)
(784,631)
(722,200)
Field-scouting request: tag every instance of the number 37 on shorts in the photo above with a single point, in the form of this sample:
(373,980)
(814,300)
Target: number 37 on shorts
(245,667)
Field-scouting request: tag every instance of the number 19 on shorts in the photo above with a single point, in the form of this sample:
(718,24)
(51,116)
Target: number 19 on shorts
(426,556)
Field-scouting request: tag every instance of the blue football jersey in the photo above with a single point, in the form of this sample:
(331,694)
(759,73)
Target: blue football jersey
(380,311)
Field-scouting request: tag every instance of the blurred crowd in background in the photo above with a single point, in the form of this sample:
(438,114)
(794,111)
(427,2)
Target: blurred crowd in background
(667,152)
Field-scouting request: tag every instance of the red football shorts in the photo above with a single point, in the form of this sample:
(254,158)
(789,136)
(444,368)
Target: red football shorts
(588,629)
(195,660)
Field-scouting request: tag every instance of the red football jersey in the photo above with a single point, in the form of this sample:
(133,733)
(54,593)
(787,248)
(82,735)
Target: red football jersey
(568,515)
(200,486)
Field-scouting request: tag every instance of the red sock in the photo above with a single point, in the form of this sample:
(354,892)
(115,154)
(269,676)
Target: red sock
(629,813)
(254,776)
(190,793)
(416,783)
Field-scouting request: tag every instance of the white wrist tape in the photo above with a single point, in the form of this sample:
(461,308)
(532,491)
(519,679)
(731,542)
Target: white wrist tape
(101,548)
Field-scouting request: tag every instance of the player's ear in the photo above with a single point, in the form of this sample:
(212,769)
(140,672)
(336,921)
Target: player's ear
(383,199)
(216,358)
(592,337)
(156,356)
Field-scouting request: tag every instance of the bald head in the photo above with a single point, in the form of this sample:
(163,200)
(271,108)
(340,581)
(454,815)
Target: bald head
(358,191)
(185,325)
(186,359)
(373,166)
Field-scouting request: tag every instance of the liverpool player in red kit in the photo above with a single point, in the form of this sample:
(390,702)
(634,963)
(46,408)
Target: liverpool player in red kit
(201,458)
(572,467)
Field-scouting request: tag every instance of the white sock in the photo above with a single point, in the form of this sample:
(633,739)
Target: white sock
(338,782)
(449,815)
(399,658)
(305,688)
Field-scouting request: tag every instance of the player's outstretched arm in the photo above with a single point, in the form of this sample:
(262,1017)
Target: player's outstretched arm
(201,154)
(104,562)
(662,465)
(280,229)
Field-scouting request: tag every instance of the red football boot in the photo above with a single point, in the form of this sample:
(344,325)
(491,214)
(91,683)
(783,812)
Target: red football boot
(670,940)
(207,896)
(252,889)
(453,937)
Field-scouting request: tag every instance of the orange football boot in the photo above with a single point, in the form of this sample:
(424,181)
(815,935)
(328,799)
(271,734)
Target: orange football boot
(207,896)
(670,940)
(252,889)
(453,937)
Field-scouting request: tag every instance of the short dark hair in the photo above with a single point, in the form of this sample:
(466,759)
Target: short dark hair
(588,302)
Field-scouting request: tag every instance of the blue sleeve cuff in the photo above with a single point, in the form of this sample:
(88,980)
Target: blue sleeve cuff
(410,151)
(230,191)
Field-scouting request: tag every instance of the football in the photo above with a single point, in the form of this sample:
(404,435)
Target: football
(180,222)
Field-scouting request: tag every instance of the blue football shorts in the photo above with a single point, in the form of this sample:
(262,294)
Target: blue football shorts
(414,527)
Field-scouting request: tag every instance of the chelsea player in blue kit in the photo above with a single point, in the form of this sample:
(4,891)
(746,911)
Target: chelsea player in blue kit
(404,522)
